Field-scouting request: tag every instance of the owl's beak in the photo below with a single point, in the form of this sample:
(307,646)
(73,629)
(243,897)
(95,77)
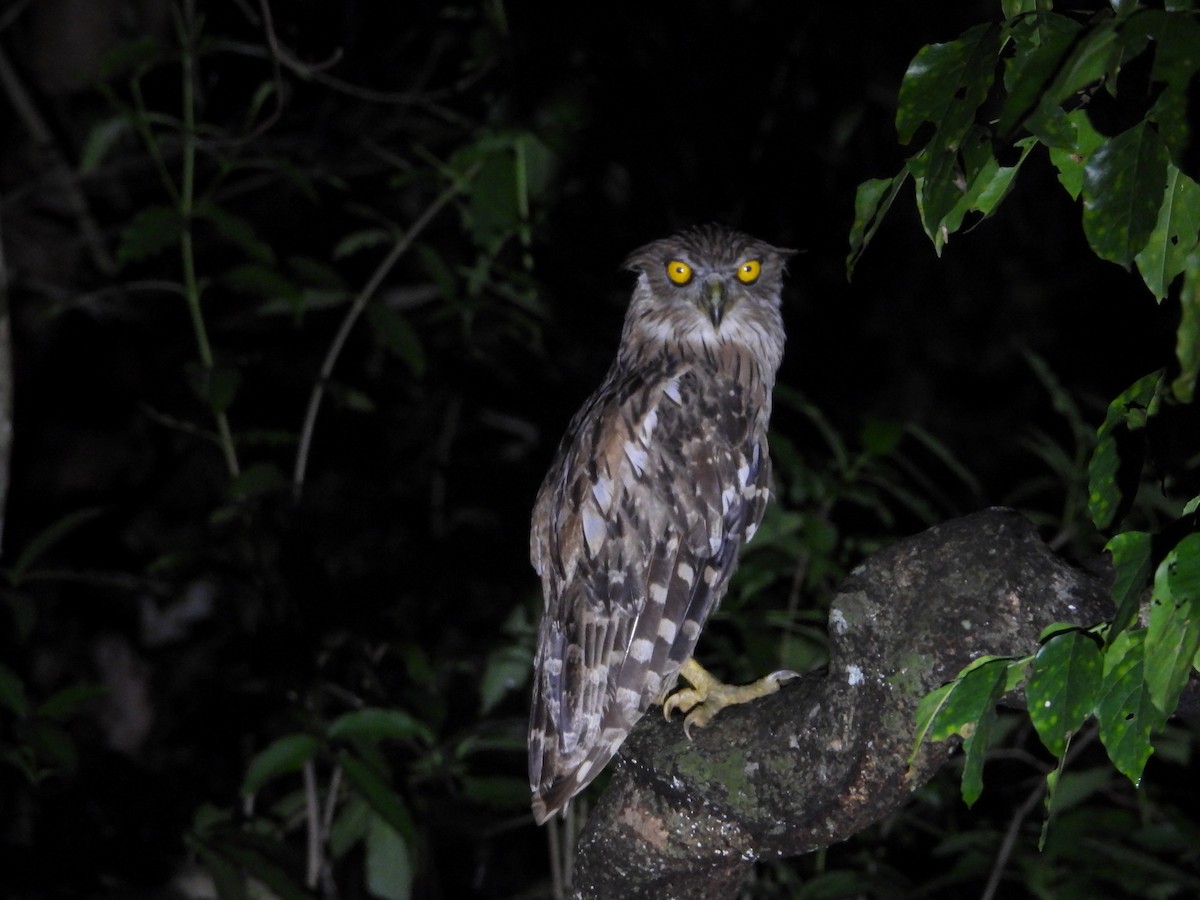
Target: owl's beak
(717,306)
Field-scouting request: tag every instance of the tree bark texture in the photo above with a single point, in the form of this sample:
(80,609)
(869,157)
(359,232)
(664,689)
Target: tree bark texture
(828,755)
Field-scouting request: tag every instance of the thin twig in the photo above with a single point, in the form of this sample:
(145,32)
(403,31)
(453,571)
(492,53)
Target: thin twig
(799,575)
(312,817)
(316,72)
(187,196)
(554,837)
(335,785)
(360,302)
(141,124)
(1036,796)
(328,888)
(1010,838)
(60,170)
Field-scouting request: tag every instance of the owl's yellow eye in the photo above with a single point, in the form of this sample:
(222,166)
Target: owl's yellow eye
(679,271)
(749,271)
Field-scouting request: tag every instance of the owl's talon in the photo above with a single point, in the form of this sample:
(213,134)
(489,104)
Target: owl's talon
(699,717)
(707,696)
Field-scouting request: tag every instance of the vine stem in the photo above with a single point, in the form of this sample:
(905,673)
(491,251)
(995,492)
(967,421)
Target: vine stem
(399,248)
(187,200)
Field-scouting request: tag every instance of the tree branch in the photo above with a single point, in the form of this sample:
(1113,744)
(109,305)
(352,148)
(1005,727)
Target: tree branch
(827,756)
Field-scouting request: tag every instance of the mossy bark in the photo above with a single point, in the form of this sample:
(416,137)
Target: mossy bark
(828,755)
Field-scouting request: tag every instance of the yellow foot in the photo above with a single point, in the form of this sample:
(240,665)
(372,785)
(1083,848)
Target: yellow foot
(706,697)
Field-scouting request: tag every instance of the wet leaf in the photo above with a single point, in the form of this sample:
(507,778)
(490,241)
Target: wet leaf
(1063,687)
(1123,187)
(282,757)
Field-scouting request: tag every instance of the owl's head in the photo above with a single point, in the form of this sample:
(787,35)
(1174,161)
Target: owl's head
(713,269)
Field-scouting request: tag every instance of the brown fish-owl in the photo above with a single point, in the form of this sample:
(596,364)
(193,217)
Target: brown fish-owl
(660,479)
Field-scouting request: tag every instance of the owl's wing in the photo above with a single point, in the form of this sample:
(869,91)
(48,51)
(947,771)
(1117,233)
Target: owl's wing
(661,478)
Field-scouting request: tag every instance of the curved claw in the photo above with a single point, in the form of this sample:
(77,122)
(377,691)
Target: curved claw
(706,697)
(683,700)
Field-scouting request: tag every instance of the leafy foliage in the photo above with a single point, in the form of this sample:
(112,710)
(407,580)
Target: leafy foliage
(223,215)
(967,707)
(1103,93)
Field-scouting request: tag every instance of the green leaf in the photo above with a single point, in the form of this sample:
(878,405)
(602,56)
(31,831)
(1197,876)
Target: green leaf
(379,794)
(881,436)
(1175,67)
(70,701)
(967,707)
(238,231)
(872,201)
(438,271)
(1127,413)
(1123,187)
(41,542)
(208,820)
(258,99)
(945,84)
(1187,339)
(1173,633)
(1063,687)
(541,164)
(264,281)
(1055,58)
(1014,8)
(216,386)
(975,747)
(350,398)
(389,868)
(317,275)
(361,240)
(1132,568)
(149,233)
(258,480)
(398,337)
(1175,235)
(1075,788)
(12,692)
(1052,781)
(54,747)
(373,724)
(283,756)
(508,668)
(994,181)
(986,186)
(1071,161)
(349,826)
(1125,712)
(493,209)
(99,142)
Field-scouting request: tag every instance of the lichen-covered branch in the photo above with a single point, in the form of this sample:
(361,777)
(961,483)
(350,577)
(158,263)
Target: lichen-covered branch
(827,756)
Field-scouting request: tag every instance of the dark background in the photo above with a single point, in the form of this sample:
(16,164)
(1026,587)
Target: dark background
(394,576)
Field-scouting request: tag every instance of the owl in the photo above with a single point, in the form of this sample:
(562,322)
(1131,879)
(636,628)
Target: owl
(661,477)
